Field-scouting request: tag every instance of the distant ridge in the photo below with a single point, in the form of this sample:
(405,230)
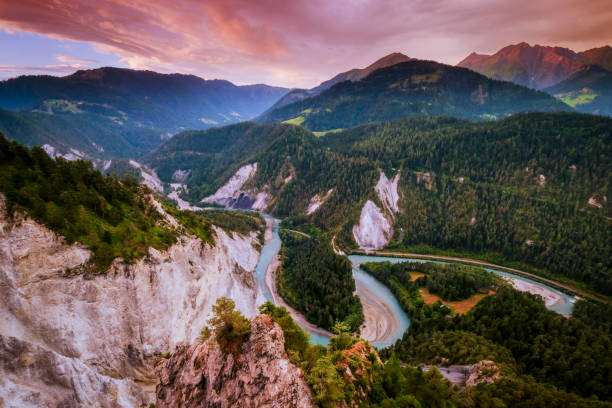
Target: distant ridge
(536,66)
(409,89)
(124,112)
(354,74)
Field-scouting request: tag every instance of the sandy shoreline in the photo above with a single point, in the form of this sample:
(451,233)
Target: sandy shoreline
(380,324)
(550,298)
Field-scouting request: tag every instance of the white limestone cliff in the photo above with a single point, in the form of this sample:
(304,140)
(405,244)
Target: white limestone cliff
(374,230)
(70,339)
(387,192)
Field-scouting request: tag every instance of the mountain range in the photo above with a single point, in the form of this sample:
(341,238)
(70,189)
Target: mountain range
(536,66)
(580,79)
(122,112)
(408,89)
(354,74)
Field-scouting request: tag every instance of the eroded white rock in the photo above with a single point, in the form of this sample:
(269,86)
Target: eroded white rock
(317,201)
(232,188)
(105,329)
(387,192)
(149,177)
(374,230)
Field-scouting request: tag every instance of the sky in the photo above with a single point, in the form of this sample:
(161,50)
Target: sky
(292,43)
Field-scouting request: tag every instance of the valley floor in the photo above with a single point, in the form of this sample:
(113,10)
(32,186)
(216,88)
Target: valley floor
(270,280)
(380,324)
(470,261)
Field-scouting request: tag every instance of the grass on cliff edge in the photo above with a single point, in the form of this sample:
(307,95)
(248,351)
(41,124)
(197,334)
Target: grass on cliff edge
(113,218)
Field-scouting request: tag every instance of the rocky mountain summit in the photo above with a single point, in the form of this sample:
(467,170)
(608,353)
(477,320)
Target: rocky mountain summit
(261,375)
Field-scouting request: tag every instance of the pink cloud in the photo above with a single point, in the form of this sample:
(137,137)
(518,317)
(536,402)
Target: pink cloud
(302,42)
(72,60)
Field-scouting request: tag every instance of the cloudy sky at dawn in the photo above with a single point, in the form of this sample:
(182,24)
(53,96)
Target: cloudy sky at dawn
(288,43)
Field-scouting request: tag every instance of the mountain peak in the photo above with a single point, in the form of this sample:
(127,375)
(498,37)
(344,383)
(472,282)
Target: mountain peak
(386,61)
(601,56)
(537,66)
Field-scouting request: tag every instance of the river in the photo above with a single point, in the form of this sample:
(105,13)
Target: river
(385,321)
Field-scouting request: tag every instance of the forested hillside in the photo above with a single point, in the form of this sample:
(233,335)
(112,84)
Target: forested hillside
(410,89)
(512,328)
(318,282)
(531,188)
(588,90)
(121,112)
(112,217)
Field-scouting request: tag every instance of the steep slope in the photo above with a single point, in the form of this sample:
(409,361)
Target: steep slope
(72,339)
(142,107)
(506,187)
(588,90)
(414,88)
(207,160)
(65,133)
(533,66)
(84,324)
(354,74)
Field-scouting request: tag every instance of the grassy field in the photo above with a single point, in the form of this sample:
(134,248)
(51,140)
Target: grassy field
(295,121)
(459,307)
(498,259)
(415,275)
(574,99)
(323,133)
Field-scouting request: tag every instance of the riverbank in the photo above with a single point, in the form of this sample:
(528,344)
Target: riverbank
(551,299)
(380,324)
(270,282)
(469,261)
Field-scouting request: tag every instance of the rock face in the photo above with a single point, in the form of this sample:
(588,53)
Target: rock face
(149,177)
(374,230)
(231,194)
(75,340)
(387,192)
(317,201)
(201,375)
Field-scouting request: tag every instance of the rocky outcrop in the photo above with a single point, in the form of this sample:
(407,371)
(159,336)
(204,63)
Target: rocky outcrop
(148,177)
(374,230)
(261,375)
(469,375)
(231,194)
(485,371)
(387,192)
(317,201)
(70,337)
